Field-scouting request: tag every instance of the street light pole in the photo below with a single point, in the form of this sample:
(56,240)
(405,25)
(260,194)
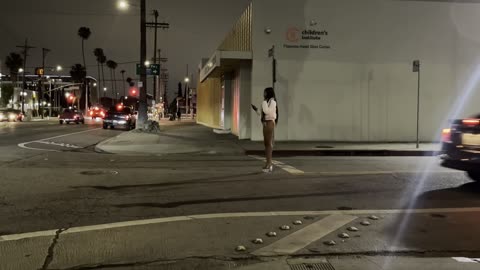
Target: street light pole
(142,110)
(155,78)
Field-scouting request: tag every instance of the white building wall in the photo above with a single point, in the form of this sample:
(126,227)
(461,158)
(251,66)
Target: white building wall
(363,87)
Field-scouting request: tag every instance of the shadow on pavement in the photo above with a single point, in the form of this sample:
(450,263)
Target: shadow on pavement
(442,233)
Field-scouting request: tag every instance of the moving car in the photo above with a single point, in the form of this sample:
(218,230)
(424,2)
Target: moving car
(97,112)
(120,116)
(11,115)
(461,146)
(69,115)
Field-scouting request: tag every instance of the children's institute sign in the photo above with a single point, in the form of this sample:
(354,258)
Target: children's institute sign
(297,38)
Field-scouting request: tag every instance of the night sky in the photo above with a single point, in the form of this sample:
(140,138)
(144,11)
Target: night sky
(196,29)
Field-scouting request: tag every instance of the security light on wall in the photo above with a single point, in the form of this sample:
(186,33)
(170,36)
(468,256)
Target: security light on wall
(268,30)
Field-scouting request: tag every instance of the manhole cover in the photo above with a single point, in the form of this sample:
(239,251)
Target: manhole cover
(312,266)
(98,172)
(323,147)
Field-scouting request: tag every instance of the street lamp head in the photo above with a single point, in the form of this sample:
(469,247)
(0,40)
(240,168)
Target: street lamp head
(122,5)
(94,84)
(147,63)
(104,88)
(59,68)
(187,79)
(20,70)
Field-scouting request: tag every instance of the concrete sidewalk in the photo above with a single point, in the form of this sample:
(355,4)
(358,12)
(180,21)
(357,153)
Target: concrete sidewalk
(181,137)
(176,137)
(233,239)
(366,263)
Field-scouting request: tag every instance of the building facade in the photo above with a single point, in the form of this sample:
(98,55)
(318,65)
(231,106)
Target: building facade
(344,69)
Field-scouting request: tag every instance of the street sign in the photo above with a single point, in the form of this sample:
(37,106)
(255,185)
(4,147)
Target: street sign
(152,69)
(416,66)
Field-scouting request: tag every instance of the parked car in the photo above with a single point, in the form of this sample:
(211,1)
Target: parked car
(97,112)
(11,115)
(71,116)
(120,116)
(461,146)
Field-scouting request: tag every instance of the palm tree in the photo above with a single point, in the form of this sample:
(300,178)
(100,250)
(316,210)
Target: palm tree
(98,52)
(14,62)
(78,74)
(112,65)
(102,60)
(84,33)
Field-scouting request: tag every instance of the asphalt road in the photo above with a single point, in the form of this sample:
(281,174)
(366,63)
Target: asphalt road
(51,178)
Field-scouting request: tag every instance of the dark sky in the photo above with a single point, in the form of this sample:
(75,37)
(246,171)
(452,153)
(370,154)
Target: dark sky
(196,29)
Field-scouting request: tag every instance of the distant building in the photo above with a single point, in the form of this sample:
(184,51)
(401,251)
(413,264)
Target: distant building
(344,69)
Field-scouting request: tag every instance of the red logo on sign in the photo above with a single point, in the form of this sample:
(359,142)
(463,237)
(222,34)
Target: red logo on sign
(293,34)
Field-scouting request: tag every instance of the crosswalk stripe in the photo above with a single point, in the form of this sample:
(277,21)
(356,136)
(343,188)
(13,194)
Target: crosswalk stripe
(302,238)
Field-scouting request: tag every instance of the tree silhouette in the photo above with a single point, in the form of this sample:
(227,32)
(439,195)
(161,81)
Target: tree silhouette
(112,65)
(98,52)
(78,73)
(84,33)
(14,62)
(102,60)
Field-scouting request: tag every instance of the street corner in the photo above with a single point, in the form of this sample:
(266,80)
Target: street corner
(424,232)
(230,236)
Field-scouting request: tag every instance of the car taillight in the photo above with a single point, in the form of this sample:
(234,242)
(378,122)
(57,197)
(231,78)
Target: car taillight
(91,113)
(471,122)
(102,114)
(447,135)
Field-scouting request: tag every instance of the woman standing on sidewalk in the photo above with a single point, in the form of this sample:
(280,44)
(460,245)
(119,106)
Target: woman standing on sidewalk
(269,120)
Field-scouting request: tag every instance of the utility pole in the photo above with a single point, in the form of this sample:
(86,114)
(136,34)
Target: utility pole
(156,25)
(40,92)
(25,54)
(142,110)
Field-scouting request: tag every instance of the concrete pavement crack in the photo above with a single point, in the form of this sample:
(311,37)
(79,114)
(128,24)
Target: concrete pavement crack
(51,249)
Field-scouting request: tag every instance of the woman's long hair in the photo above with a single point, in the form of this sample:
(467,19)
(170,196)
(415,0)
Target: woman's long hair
(269,93)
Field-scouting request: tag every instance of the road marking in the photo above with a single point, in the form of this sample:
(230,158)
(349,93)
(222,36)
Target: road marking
(60,144)
(466,260)
(283,166)
(302,238)
(23,145)
(13,237)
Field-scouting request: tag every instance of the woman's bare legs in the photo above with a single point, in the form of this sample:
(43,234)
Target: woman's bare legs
(268,129)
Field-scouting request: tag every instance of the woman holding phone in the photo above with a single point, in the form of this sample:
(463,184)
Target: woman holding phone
(269,114)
